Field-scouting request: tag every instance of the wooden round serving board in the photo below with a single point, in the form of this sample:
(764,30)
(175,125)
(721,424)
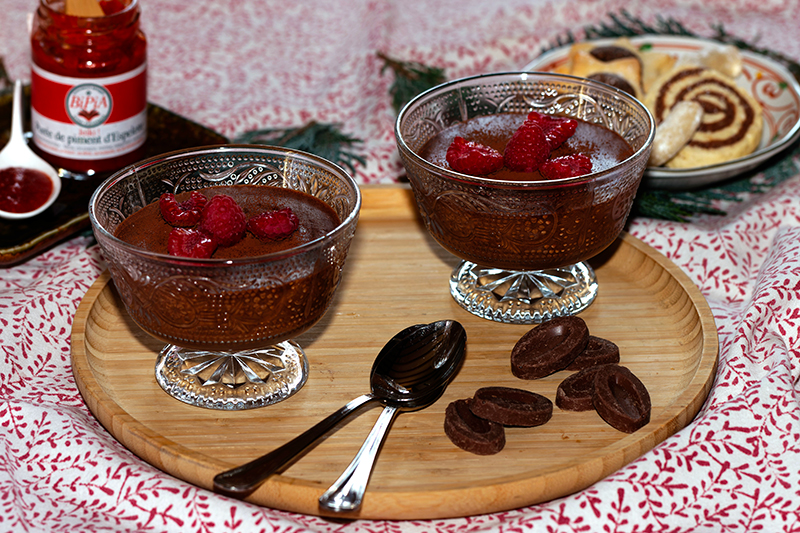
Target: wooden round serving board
(396,275)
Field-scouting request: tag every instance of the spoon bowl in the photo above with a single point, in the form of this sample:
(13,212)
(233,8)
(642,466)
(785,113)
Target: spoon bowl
(17,154)
(431,355)
(410,372)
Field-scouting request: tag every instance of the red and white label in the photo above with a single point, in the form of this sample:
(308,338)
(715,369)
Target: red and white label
(89,118)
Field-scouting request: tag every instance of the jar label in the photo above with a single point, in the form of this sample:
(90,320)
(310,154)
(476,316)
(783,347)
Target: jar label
(89,118)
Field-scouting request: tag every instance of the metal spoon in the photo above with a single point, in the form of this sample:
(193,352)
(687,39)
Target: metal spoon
(347,492)
(410,372)
(17,154)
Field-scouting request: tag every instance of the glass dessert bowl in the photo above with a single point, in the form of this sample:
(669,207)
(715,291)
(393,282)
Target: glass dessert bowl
(227,322)
(524,242)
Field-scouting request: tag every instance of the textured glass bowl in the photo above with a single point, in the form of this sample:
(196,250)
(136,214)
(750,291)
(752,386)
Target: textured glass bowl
(228,324)
(524,244)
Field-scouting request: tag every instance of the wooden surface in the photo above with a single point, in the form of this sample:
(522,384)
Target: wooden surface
(396,275)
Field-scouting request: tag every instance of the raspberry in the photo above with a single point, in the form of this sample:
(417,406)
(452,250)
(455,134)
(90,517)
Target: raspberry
(184,214)
(274,225)
(567,166)
(475,159)
(527,149)
(223,220)
(184,242)
(556,129)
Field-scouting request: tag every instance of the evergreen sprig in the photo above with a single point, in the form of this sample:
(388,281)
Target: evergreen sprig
(324,140)
(410,79)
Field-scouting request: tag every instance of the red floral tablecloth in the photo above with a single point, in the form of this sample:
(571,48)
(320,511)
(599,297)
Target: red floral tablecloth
(236,65)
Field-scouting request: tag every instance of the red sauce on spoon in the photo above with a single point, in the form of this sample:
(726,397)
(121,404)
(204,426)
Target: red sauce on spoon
(23,189)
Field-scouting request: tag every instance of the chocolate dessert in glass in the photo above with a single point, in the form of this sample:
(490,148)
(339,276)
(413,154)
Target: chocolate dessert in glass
(225,254)
(523,230)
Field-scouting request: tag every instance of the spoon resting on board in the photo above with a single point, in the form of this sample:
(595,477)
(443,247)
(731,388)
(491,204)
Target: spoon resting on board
(21,170)
(421,386)
(409,373)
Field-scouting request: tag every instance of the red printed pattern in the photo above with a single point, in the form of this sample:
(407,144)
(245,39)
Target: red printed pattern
(734,469)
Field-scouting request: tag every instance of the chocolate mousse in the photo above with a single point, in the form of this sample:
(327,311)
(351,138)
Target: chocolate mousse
(147,229)
(605,147)
(201,306)
(550,222)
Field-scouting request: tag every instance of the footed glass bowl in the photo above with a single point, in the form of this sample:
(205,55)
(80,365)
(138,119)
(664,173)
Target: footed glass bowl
(523,243)
(227,323)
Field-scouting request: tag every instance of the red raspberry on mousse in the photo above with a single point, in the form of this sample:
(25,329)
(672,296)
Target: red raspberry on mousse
(475,159)
(556,129)
(273,225)
(567,166)
(184,214)
(223,220)
(183,242)
(527,149)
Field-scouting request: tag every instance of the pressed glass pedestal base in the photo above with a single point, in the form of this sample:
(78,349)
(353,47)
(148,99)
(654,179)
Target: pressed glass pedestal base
(523,297)
(232,380)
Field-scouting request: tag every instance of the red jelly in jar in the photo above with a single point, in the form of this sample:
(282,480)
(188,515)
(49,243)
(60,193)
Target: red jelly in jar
(89,86)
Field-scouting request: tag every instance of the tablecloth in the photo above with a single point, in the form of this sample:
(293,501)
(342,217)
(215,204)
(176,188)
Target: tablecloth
(236,65)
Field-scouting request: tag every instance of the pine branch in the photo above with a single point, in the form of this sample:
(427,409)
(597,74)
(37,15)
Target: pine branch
(324,140)
(625,25)
(678,207)
(410,79)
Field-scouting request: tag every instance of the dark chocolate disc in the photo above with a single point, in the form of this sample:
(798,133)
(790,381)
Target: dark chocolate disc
(511,407)
(620,398)
(610,53)
(598,351)
(614,80)
(470,433)
(549,347)
(576,392)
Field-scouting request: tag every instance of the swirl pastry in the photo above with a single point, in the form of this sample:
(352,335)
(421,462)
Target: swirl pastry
(732,119)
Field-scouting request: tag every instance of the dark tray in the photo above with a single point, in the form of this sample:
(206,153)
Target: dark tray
(21,239)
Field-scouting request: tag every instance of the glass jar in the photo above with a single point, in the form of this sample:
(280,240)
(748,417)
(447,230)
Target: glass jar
(89,86)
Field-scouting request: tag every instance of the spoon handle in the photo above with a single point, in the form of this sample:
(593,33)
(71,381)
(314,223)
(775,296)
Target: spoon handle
(347,492)
(241,481)
(17,135)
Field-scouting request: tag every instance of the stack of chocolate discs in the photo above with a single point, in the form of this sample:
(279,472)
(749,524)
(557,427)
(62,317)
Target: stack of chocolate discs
(477,424)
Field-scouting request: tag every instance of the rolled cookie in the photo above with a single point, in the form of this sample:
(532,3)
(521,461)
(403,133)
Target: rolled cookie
(511,407)
(620,398)
(576,392)
(677,129)
(549,347)
(470,433)
(732,119)
(598,351)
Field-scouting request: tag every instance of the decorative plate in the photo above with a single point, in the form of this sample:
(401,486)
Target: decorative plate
(772,85)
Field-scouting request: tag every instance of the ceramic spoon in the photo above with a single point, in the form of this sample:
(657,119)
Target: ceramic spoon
(17,154)
(409,373)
